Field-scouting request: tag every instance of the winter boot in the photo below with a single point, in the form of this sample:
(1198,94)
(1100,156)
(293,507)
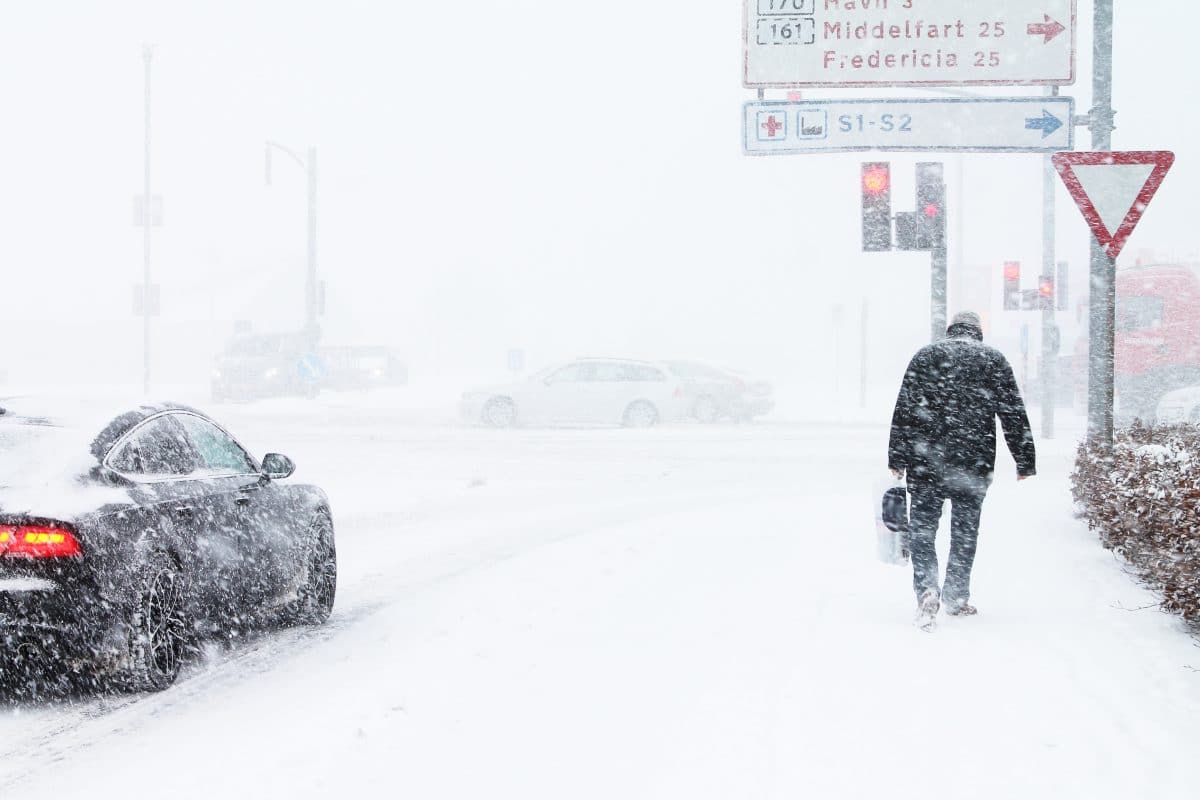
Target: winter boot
(927,609)
(963,609)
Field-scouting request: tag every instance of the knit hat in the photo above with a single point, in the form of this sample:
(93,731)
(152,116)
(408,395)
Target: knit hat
(966,322)
(967,318)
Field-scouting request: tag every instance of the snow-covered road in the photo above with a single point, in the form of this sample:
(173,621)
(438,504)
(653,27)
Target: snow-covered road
(677,613)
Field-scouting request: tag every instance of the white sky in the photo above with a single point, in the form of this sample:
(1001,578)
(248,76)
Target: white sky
(563,178)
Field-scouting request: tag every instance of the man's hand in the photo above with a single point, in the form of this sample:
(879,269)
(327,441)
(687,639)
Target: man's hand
(897,474)
(1021,477)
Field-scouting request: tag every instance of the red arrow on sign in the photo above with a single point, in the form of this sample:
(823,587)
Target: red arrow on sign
(1050,28)
(1113,190)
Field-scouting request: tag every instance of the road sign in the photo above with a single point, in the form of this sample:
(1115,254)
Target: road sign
(908,42)
(310,367)
(980,125)
(1113,189)
(516,360)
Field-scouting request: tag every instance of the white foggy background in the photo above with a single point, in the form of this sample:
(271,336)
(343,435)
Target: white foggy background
(563,178)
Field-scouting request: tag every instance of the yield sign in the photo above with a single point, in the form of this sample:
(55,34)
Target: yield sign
(1113,189)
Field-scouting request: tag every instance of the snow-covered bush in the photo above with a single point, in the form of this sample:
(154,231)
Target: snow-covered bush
(1144,502)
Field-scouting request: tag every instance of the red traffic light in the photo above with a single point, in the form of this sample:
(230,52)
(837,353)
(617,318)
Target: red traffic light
(932,210)
(1046,287)
(876,179)
(1012,270)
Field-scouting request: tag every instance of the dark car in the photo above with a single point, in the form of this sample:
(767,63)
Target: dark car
(362,367)
(126,542)
(257,366)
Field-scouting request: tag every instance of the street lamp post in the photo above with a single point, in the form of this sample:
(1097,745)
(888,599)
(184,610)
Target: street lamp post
(147,291)
(309,165)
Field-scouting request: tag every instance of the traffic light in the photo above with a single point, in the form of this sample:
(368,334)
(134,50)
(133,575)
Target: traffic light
(1012,285)
(1046,293)
(876,206)
(931,206)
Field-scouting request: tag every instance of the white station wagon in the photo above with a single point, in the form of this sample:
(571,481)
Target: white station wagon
(587,391)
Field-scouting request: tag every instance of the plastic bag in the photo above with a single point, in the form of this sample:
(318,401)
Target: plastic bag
(891,521)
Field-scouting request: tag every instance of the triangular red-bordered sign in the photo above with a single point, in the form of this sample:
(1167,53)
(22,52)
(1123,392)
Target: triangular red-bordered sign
(1113,240)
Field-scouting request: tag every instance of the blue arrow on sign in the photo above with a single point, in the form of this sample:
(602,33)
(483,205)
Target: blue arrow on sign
(1047,123)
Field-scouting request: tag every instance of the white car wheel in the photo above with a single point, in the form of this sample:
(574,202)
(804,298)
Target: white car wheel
(500,412)
(705,410)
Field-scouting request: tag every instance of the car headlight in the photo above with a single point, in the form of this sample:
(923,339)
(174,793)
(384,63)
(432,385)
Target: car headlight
(273,372)
(216,374)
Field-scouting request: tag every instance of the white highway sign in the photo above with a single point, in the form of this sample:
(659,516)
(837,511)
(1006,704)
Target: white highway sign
(908,42)
(978,125)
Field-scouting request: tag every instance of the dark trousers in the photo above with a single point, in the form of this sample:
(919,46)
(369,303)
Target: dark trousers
(925,513)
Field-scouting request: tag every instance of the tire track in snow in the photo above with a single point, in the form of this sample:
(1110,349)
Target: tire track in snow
(103,717)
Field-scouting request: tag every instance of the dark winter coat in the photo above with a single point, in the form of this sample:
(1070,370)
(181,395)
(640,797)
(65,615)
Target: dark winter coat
(944,425)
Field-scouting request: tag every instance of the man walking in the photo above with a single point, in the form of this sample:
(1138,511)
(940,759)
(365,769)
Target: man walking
(943,441)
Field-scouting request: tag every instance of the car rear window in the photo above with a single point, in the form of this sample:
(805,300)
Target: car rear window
(34,453)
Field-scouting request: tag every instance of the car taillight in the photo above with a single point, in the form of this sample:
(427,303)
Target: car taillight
(679,391)
(37,541)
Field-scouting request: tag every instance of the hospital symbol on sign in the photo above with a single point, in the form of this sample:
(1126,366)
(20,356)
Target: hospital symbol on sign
(772,126)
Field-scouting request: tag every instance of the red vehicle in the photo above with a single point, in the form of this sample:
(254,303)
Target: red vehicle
(1157,335)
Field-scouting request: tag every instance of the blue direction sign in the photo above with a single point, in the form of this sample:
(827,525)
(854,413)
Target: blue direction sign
(971,125)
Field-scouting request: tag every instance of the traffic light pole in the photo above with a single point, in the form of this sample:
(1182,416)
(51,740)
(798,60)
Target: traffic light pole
(937,290)
(311,305)
(1102,313)
(932,207)
(312,308)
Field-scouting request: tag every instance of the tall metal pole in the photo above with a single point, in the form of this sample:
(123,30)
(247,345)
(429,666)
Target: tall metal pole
(311,301)
(862,376)
(938,257)
(1049,370)
(937,291)
(1102,315)
(147,220)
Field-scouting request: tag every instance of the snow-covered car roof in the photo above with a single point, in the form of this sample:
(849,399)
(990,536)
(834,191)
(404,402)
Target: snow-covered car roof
(49,446)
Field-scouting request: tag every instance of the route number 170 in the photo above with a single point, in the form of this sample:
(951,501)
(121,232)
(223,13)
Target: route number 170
(786,7)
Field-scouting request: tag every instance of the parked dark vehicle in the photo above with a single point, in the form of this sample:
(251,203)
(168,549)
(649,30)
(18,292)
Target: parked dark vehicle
(362,367)
(257,366)
(125,543)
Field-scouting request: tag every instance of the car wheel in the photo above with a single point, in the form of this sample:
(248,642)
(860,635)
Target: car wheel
(157,627)
(640,414)
(705,410)
(314,599)
(500,412)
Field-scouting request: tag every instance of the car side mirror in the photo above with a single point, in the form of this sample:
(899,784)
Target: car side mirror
(277,466)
